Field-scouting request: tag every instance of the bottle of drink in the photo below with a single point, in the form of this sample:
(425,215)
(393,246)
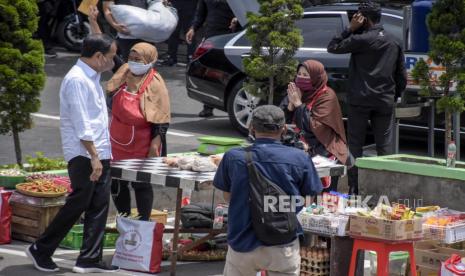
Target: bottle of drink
(451,155)
(186,197)
(220,212)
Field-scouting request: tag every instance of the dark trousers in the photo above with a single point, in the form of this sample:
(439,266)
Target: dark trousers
(124,47)
(91,198)
(44,29)
(382,124)
(186,11)
(122,197)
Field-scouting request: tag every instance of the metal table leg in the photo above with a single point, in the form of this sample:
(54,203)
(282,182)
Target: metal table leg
(177,218)
(456,120)
(431,128)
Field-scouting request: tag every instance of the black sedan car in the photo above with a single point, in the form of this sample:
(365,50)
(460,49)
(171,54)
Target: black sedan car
(216,73)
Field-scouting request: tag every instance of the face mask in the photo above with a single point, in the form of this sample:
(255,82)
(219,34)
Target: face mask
(138,68)
(107,64)
(304,84)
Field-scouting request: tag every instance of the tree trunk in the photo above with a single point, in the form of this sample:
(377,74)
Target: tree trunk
(271,91)
(19,158)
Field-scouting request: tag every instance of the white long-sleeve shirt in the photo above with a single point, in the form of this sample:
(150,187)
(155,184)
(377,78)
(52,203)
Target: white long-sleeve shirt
(83,113)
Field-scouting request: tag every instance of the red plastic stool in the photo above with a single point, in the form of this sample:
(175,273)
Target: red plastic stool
(382,250)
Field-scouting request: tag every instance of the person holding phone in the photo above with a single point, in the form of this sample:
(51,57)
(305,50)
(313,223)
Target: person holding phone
(377,76)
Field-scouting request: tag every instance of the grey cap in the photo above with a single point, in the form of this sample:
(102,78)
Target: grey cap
(268,118)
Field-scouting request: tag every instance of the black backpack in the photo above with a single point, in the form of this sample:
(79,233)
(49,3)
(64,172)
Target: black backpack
(271,228)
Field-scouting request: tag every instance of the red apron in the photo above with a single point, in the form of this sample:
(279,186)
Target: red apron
(130,132)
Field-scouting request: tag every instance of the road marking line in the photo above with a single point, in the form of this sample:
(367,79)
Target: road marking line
(57,118)
(179,134)
(23,254)
(58,260)
(45,116)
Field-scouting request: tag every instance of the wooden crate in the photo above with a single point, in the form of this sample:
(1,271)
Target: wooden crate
(156,215)
(30,221)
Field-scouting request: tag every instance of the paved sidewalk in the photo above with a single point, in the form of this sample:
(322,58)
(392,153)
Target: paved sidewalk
(15,263)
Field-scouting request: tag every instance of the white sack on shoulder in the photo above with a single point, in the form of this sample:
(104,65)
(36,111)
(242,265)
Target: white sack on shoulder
(155,24)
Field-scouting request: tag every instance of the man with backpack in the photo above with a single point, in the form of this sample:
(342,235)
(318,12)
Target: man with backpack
(265,185)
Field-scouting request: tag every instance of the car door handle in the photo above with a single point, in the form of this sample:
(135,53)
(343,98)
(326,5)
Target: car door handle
(340,76)
(245,55)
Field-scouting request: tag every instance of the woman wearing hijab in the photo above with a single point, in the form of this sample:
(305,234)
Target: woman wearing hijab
(140,120)
(314,108)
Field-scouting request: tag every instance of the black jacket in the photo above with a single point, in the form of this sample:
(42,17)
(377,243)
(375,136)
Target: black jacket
(377,71)
(217,16)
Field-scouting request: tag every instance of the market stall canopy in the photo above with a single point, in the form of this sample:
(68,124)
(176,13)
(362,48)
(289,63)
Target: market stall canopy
(241,7)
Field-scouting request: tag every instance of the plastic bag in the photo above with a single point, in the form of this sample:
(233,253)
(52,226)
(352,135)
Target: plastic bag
(5,217)
(139,245)
(155,24)
(454,266)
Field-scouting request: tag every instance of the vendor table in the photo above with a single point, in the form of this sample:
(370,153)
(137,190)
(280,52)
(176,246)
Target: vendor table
(156,172)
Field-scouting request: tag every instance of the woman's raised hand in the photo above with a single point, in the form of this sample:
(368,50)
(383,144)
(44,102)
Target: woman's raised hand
(294,95)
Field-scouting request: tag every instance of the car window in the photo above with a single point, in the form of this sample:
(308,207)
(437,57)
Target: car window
(392,25)
(242,41)
(317,31)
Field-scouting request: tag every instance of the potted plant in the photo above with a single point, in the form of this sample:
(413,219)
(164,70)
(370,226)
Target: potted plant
(447,47)
(22,74)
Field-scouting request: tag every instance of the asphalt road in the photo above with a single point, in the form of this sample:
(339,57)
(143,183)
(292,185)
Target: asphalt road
(185,128)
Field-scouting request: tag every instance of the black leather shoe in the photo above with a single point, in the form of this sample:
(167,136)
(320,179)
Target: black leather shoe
(168,62)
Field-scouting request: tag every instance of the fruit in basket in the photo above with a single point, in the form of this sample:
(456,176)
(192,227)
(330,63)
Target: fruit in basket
(11,172)
(63,181)
(40,176)
(41,186)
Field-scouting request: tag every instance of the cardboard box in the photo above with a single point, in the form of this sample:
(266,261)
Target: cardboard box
(383,229)
(324,224)
(427,271)
(430,254)
(157,216)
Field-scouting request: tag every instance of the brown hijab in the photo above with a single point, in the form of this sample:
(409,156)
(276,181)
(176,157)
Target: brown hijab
(155,102)
(326,121)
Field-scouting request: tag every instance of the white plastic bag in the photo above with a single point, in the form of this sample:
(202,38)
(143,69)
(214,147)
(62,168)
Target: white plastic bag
(155,24)
(139,245)
(454,266)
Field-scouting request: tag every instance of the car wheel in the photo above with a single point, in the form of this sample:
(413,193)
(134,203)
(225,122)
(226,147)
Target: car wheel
(240,107)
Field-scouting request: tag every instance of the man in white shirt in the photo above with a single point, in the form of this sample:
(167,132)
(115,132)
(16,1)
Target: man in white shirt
(86,146)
